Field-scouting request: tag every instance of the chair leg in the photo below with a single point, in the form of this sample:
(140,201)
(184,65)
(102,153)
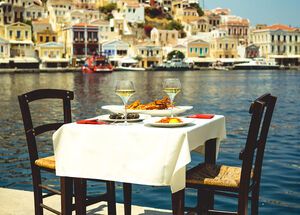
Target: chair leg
(178,202)
(80,195)
(255,200)
(37,191)
(111,192)
(205,201)
(127,190)
(243,204)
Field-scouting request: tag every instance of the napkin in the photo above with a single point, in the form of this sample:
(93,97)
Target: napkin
(202,116)
(91,121)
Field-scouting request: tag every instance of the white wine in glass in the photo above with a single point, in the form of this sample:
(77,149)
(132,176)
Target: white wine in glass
(125,89)
(172,87)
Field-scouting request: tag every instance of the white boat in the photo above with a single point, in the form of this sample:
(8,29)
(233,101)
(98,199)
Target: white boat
(174,64)
(257,63)
(129,64)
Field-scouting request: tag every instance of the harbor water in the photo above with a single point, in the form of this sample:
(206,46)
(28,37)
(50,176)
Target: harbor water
(221,92)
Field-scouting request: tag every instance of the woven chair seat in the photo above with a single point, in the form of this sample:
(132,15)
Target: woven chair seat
(215,175)
(46,162)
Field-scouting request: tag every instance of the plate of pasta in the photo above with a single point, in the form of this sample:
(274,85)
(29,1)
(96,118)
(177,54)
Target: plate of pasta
(161,107)
(169,122)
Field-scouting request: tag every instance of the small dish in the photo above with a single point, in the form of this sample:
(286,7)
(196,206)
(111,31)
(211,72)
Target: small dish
(106,118)
(154,121)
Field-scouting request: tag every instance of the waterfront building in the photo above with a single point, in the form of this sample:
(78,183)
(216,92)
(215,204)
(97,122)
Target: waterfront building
(46,36)
(277,40)
(223,47)
(198,26)
(33,12)
(164,37)
(115,50)
(82,40)
(132,10)
(236,27)
(19,36)
(52,55)
(252,51)
(4,53)
(178,5)
(150,54)
(197,48)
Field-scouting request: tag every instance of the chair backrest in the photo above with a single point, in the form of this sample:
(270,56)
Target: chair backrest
(30,131)
(253,153)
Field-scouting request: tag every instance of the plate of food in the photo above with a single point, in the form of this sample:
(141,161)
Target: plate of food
(169,122)
(160,107)
(120,117)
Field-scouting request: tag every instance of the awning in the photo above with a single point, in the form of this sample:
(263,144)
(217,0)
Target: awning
(25,60)
(128,60)
(4,60)
(54,60)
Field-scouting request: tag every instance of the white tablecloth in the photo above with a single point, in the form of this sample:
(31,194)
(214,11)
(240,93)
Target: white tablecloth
(135,154)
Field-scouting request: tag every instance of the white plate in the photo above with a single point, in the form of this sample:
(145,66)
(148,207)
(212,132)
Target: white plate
(154,122)
(166,112)
(106,118)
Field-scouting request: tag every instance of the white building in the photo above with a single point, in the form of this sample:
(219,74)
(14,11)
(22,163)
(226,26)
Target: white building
(134,12)
(277,40)
(34,12)
(4,49)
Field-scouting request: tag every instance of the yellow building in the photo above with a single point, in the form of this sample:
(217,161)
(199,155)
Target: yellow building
(20,38)
(224,47)
(52,55)
(150,54)
(4,50)
(46,36)
(198,48)
(164,37)
(188,14)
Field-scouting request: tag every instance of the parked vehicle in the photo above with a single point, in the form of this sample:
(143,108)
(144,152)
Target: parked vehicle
(129,64)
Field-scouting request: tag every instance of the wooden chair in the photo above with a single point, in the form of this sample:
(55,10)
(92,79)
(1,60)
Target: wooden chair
(241,182)
(48,163)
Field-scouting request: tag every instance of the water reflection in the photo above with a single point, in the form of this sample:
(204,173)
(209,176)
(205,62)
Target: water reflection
(227,93)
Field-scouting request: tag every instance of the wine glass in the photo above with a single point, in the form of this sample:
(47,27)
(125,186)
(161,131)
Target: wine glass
(125,89)
(172,87)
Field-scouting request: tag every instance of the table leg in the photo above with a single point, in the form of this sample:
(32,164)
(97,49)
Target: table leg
(80,195)
(178,202)
(127,190)
(66,185)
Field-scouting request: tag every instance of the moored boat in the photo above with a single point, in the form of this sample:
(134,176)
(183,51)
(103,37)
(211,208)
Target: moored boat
(97,63)
(129,64)
(257,63)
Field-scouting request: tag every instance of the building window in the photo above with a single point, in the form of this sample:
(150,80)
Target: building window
(220,45)
(191,50)
(18,34)
(226,46)
(26,34)
(41,38)
(272,49)
(47,39)
(196,50)
(272,38)
(278,37)
(10,33)
(54,39)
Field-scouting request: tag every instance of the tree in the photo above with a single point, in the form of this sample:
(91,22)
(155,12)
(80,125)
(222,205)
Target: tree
(174,25)
(107,9)
(175,54)
(153,12)
(199,9)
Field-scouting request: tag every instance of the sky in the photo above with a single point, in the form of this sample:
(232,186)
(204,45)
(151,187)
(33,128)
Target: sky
(261,11)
